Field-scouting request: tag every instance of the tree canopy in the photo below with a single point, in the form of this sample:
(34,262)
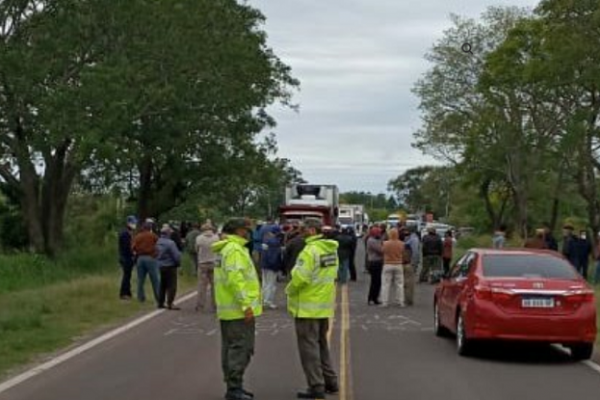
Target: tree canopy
(156,99)
(517,121)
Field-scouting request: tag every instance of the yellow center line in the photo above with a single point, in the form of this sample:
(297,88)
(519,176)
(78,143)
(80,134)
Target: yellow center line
(345,392)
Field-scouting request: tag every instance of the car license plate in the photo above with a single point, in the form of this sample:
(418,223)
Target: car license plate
(538,302)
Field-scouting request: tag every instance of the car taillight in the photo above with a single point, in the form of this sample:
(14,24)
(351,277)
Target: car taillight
(483,292)
(579,296)
(502,295)
(493,294)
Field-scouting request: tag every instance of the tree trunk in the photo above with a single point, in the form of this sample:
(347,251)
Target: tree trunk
(145,191)
(556,198)
(29,185)
(489,207)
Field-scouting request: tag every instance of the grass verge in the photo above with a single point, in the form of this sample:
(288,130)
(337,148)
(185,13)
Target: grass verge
(44,310)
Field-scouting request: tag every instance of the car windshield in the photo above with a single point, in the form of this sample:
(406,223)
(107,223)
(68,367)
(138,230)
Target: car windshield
(526,266)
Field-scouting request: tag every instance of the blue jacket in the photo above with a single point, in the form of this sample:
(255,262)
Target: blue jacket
(272,258)
(169,254)
(257,239)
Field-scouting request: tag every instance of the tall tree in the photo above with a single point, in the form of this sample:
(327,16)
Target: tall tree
(119,86)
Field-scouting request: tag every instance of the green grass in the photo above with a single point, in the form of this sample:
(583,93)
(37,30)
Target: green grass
(46,306)
(29,271)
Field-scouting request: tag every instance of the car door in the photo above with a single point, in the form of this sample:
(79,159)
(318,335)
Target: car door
(445,292)
(456,285)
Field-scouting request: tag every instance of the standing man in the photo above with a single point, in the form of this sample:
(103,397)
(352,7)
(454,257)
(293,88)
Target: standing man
(569,247)
(549,238)
(311,301)
(126,257)
(499,238)
(169,259)
(414,243)
(433,249)
(238,299)
(144,249)
(345,254)
(190,246)
(207,260)
(584,251)
(353,276)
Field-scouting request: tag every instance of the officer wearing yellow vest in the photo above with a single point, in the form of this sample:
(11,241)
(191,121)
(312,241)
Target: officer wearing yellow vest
(238,299)
(311,301)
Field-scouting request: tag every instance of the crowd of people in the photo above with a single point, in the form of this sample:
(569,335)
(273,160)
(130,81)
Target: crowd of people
(239,267)
(577,247)
(398,258)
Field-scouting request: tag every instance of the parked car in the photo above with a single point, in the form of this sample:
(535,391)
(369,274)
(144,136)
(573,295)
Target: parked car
(516,294)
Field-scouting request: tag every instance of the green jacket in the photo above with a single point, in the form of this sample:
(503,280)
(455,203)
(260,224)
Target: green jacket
(236,282)
(312,290)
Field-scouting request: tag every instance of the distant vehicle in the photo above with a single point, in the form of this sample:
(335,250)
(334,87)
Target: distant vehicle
(519,295)
(464,231)
(310,201)
(353,216)
(393,220)
(440,228)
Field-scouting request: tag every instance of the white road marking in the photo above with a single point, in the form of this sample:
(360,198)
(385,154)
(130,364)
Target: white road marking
(84,347)
(592,365)
(589,363)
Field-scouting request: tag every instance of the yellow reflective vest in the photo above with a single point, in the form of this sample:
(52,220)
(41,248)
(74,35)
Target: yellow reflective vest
(236,281)
(311,292)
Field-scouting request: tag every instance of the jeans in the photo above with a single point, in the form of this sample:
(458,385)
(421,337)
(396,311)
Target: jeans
(269,286)
(344,270)
(147,265)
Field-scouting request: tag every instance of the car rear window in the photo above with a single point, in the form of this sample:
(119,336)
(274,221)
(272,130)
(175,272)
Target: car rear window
(526,266)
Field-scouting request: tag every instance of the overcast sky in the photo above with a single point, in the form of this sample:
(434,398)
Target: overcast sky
(357,61)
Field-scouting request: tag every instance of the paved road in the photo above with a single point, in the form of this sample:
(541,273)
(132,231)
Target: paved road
(385,353)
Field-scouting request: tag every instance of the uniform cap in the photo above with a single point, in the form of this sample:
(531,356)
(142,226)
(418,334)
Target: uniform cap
(234,224)
(313,223)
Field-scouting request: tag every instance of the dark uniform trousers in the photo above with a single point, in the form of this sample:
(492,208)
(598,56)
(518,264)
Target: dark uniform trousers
(314,353)
(237,348)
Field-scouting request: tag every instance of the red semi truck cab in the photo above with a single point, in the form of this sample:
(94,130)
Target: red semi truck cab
(310,201)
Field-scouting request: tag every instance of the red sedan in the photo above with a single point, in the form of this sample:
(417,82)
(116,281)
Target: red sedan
(516,294)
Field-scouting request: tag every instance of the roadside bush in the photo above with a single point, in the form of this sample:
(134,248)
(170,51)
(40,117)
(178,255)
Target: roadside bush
(13,233)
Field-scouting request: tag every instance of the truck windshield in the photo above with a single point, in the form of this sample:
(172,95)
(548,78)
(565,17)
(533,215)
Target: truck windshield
(345,220)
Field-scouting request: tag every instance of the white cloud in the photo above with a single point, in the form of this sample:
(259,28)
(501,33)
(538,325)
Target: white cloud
(357,61)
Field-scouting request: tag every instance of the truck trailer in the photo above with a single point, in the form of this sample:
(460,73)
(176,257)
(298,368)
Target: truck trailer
(310,201)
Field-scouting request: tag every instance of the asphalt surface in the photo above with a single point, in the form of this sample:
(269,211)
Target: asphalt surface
(386,354)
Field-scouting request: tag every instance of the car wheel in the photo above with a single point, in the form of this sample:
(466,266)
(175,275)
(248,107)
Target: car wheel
(582,351)
(463,344)
(439,329)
